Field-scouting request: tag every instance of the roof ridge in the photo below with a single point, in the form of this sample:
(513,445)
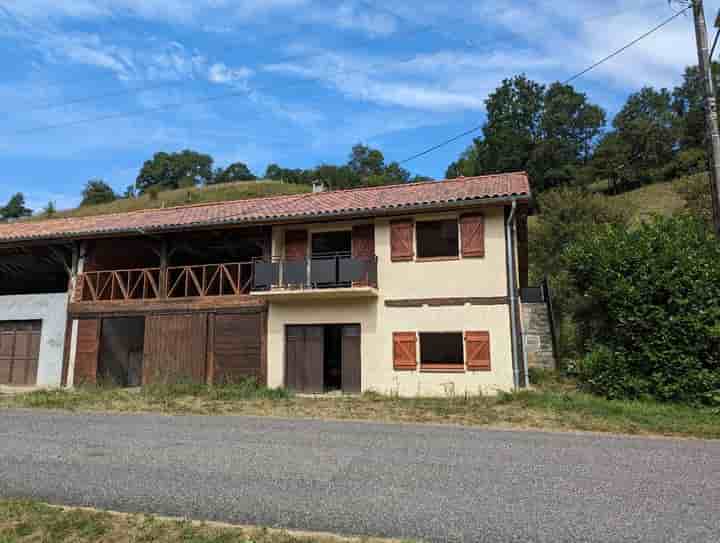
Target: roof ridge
(285,197)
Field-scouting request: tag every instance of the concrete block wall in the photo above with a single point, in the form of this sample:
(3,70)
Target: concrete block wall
(51,309)
(537,336)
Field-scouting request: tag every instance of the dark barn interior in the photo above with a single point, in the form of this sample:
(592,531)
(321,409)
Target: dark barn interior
(35,269)
(122,342)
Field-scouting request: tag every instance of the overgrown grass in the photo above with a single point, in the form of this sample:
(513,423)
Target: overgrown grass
(194,195)
(554,404)
(27,521)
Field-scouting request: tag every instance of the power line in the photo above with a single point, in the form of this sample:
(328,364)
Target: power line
(443,144)
(573,78)
(627,46)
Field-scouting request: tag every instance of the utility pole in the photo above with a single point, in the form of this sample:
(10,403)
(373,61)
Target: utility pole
(711,114)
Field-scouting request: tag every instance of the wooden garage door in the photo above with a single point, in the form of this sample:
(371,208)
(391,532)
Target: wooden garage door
(238,347)
(304,358)
(175,348)
(19,352)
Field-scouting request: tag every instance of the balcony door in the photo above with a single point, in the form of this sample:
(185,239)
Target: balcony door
(328,249)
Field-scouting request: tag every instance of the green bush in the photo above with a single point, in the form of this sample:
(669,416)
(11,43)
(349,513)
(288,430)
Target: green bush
(652,310)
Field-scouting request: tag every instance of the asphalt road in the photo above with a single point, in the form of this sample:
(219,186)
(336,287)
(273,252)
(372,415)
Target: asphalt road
(428,482)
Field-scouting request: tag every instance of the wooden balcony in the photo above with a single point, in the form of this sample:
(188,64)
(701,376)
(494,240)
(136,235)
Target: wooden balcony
(177,282)
(327,276)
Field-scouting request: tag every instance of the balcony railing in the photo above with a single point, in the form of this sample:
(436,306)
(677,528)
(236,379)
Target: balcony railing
(336,270)
(332,270)
(177,282)
(141,284)
(209,280)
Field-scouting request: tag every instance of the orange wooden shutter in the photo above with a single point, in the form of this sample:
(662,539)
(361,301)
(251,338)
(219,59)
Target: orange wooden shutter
(296,243)
(477,351)
(401,241)
(404,350)
(86,352)
(363,241)
(472,232)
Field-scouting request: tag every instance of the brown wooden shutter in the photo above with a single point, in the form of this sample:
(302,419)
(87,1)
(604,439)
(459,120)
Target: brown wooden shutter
(401,241)
(477,351)
(363,241)
(472,232)
(296,243)
(404,350)
(86,353)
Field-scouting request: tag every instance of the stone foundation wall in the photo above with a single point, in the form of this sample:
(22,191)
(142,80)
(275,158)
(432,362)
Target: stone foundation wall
(537,336)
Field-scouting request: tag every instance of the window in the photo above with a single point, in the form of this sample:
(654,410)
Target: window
(437,239)
(442,350)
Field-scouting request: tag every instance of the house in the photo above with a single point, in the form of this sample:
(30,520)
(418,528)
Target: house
(408,289)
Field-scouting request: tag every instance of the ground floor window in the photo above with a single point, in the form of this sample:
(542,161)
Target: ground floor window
(442,351)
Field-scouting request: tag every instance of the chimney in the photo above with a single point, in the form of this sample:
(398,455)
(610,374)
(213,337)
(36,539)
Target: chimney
(318,186)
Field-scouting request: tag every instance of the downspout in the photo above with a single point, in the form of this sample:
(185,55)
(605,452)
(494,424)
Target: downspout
(512,298)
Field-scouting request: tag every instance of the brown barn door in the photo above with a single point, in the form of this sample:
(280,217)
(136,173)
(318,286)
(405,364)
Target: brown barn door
(305,360)
(19,352)
(351,358)
(175,348)
(87,351)
(237,348)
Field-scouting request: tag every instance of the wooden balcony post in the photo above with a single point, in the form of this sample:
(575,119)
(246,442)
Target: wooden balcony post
(163,269)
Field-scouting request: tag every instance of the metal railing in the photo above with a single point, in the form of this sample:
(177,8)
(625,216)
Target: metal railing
(327,270)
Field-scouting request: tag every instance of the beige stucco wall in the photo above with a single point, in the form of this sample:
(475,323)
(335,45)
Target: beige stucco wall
(471,277)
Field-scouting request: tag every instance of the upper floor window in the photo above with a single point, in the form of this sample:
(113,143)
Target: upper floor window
(437,239)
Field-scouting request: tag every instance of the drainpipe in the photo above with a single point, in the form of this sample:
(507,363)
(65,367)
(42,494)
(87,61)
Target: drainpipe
(512,297)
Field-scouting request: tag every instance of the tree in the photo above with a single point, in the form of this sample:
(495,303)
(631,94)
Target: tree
(175,170)
(550,132)
(365,161)
(50,210)
(15,208)
(237,171)
(688,104)
(336,177)
(512,131)
(97,191)
(649,128)
(392,174)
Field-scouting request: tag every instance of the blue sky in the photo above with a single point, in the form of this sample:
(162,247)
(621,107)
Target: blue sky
(301,80)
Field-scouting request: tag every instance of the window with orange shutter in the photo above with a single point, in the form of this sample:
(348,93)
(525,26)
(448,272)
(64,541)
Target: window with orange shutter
(404,350)
(472,234)
(477,351)
(401,241)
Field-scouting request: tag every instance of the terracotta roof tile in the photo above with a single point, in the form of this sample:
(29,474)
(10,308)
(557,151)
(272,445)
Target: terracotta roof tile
(354,202)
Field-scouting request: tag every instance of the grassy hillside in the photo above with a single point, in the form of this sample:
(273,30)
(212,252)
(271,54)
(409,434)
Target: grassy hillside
(196,195)
(658,198)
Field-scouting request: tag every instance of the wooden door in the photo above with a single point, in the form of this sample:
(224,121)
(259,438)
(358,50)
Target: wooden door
(19,352)
(175,348)
(305,358)
(351,359)
(238,347)
(86,353)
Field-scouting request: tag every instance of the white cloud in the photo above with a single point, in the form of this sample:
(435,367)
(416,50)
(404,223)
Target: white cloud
(219,72)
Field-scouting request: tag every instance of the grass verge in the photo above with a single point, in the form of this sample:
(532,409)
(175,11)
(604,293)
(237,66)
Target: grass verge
(553,405)
(27,521)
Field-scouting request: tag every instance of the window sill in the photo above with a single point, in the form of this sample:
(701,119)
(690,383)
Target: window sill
(442,368)
(437,259)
